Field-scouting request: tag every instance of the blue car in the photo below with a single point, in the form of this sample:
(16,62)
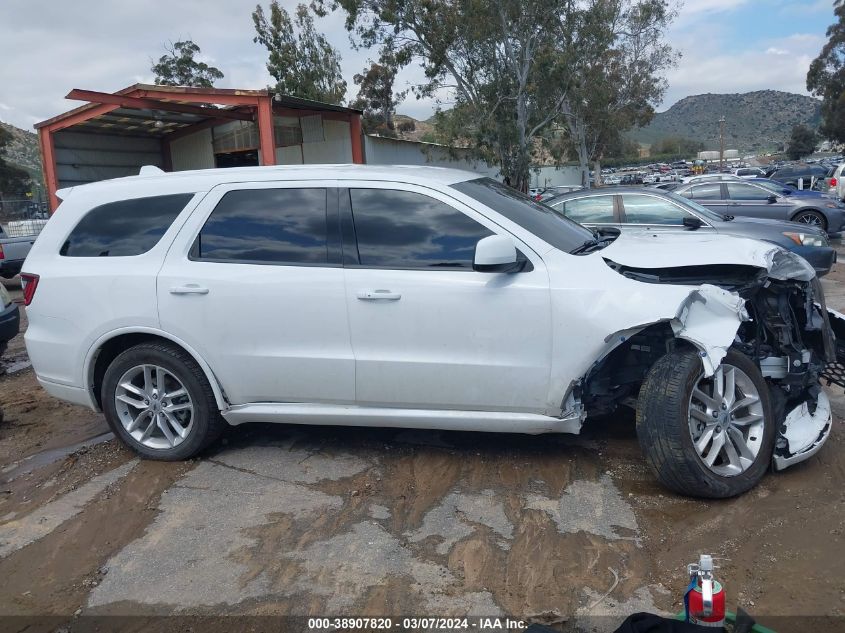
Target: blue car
(788,190)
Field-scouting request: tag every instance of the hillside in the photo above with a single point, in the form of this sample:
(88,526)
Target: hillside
(754,120)
(23,151)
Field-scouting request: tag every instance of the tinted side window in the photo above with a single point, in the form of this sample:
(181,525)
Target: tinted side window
(711,191)
(652,210)
(266,226)
(124,228)
(403,229)
(741,191)
(592,210)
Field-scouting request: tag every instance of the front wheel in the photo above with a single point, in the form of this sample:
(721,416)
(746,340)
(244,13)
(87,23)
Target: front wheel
(812,218)
(157,400)
(706,436)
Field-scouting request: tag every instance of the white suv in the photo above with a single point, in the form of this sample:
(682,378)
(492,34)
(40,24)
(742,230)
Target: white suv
(420,297)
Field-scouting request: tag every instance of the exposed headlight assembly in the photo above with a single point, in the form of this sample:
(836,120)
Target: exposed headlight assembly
(808,239)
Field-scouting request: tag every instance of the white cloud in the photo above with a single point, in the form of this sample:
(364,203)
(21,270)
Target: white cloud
(746,71)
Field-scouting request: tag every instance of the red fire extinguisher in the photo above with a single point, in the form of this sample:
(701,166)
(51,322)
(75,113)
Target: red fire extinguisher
(704,600)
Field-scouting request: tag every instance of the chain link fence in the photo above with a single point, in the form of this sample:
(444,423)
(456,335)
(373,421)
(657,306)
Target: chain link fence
(22,218)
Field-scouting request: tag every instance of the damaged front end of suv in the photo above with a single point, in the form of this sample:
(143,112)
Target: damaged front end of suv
(740,365)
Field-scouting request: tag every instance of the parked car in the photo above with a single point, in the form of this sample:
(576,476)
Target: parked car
(655,210)
(421,297)
(550,192)
(631,179)
(802,176)
(836,183)
(788,190)
(749,172)
(15,241)
(741,198)
(10,319)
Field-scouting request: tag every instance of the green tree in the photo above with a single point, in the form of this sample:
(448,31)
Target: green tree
(301,60)
(826,77)
(507,65)
(13,180)
(802,142)
(179,68)
(616,82)
(376,97)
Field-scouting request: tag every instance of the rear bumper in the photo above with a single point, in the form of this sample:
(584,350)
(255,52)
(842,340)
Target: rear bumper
(10,323)
(68,393)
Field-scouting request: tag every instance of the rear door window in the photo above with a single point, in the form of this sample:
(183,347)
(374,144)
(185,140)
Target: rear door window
(708,191)
(742,191)
(124,228)
(651,210)
(590,210)
(266,226)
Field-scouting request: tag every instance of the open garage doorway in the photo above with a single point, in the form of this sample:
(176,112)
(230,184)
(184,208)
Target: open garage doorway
(247,158)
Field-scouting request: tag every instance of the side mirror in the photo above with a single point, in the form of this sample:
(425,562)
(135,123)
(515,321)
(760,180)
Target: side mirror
(772,199)
(496,254)
(692,222)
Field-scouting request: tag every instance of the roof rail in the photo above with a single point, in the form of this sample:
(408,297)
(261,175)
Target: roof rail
(150,170)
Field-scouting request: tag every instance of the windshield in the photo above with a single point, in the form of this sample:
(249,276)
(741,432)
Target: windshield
(542,221)
(700,210)
(778,189)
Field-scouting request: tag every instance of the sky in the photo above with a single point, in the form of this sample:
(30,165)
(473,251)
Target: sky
(48,47)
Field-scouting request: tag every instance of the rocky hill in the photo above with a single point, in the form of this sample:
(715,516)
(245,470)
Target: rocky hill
(23,151)
(754,120)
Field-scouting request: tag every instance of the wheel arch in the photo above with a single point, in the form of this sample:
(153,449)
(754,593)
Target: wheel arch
(814,210)
(108,346)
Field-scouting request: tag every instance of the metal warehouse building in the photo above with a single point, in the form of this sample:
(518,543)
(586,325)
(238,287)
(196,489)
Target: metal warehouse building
(178,128)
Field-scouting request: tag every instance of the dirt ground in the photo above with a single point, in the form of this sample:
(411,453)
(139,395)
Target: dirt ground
(571,531)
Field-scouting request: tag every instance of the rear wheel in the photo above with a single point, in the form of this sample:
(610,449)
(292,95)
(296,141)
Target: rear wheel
(706,436)
(158,401)
(813,218)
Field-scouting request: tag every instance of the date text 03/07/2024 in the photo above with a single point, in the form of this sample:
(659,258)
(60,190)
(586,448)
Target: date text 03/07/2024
(416,623)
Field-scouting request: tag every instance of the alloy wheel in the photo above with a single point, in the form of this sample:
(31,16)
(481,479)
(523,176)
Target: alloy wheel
(154,406)
(726,421)
(809,218)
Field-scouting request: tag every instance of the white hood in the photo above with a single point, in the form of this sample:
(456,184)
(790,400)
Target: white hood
(651,250)
(643,249)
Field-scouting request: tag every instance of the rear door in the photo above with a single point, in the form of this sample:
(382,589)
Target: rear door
(749,200)
(254,282)
(594,211)
(428,331)
(711,195)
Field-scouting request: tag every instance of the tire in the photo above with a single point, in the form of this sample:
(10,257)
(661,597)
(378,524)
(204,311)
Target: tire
(811,218)
(665,428)
(195,412)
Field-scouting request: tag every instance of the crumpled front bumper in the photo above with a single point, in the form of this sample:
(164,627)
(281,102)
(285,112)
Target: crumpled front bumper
(804,432)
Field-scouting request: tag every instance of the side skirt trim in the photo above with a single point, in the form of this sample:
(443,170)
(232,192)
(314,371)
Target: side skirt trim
(342,415)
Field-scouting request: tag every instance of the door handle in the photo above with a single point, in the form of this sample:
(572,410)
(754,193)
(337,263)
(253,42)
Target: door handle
(189,289)
(378,295)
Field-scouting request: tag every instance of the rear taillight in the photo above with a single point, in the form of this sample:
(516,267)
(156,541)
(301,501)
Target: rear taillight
(2,254)
(29,283)
(833,182)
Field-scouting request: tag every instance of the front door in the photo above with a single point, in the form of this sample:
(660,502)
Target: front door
(254,283)
(427,331)
(753,201)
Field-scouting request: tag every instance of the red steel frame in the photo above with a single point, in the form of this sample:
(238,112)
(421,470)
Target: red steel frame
(250,105)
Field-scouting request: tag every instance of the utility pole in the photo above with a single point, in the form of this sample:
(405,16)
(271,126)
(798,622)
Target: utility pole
(722,143)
